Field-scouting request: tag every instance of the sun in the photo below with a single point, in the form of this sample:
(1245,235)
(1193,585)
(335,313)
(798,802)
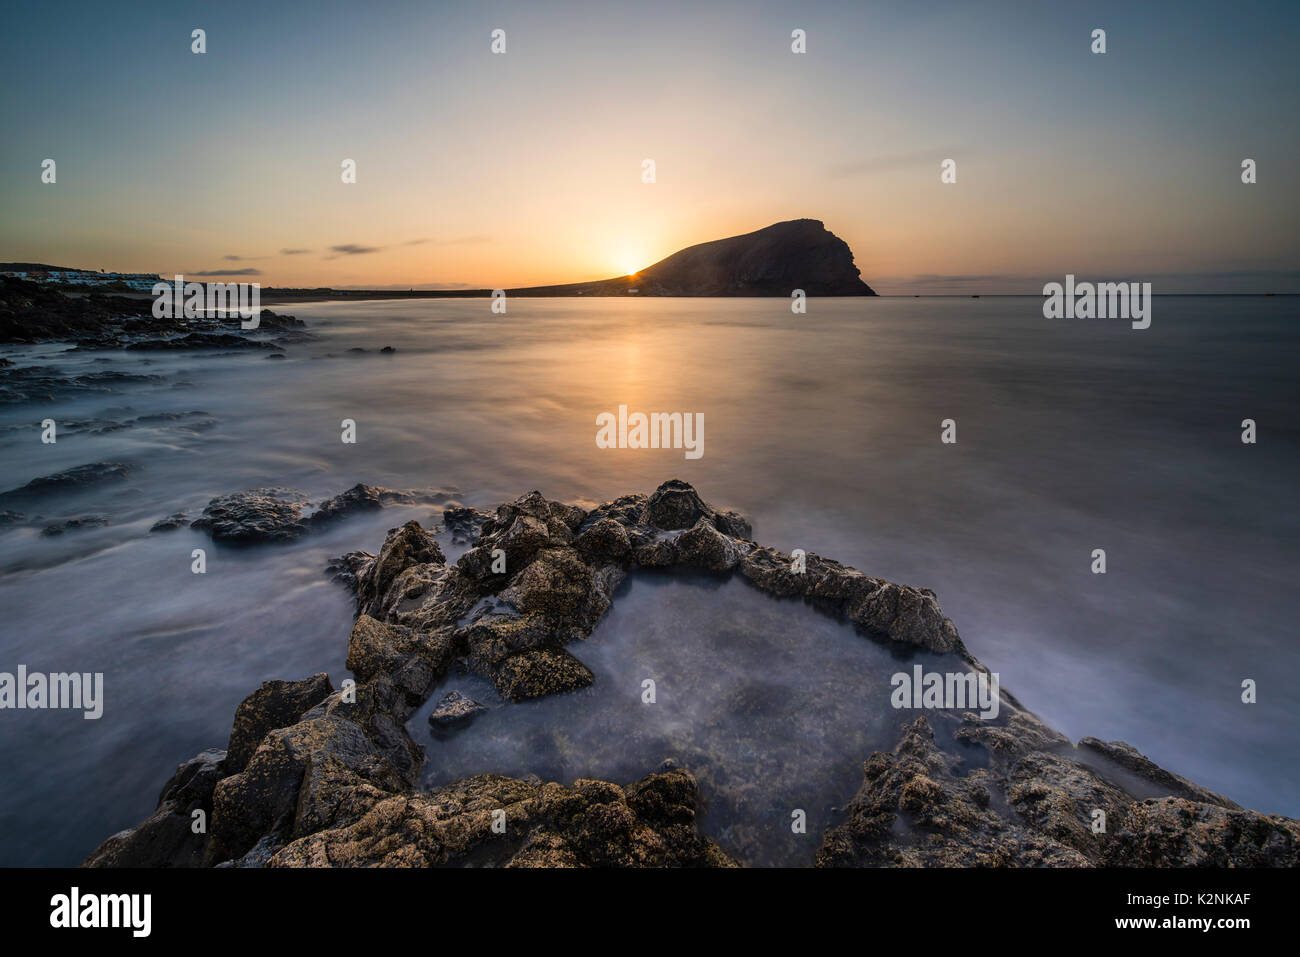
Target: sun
(630,261)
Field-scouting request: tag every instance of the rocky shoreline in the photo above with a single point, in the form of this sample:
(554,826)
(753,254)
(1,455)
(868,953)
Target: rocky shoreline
(314,776)
(31,313)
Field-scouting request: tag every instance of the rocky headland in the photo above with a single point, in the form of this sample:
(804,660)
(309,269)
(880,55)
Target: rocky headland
(773,261)
(318,776)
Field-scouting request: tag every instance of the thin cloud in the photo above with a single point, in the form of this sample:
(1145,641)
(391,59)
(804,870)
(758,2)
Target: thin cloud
(293,252)
(228,272)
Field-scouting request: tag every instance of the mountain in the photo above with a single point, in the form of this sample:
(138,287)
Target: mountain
(773,261)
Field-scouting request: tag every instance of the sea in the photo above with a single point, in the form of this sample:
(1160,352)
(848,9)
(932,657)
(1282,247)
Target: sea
(968,445)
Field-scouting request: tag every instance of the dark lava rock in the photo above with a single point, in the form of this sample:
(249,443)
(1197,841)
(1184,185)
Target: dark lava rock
(68,480)
(404,548)
(45,384)
(345,568)
(30,312)
(72,524)
(270,320)
(1034,805)
(359,498)
(388,350)
(277,704)
(256,515)
(335,782)
(166,838)
(170,523)
(280,514)
(292,781)
(453,712)
(463,523)
(676,504)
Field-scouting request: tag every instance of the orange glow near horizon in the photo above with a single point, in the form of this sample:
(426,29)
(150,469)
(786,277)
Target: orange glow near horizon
(481,171)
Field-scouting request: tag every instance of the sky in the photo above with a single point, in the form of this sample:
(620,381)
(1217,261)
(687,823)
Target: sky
(492,170)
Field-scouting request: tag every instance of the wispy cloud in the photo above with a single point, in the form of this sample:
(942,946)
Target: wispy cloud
(228,272)
(293,252)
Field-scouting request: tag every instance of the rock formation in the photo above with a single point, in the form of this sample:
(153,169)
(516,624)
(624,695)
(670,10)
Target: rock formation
(314,776)
(773,261)
(30,312)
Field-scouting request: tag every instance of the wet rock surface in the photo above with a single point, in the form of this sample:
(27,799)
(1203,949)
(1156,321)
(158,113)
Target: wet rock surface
(255,515)
(1036,805)
(73,524)
(345,568)
(274,705)
(69,480)
(317,777)
(454,711)
(40,383)
(283,514)
(170,523)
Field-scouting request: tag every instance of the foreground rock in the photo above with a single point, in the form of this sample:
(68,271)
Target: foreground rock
(317,777)
(649,823)
(1038,804)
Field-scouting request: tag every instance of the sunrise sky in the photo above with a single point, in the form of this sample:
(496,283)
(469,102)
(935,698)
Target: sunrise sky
(506,170)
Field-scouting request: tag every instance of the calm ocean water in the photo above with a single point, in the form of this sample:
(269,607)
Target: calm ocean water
(823,428)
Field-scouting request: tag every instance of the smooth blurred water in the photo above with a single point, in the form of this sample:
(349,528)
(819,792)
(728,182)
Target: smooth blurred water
(823,428)
(764,701)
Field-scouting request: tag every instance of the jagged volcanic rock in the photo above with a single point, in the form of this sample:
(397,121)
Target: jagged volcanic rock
(319,778)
